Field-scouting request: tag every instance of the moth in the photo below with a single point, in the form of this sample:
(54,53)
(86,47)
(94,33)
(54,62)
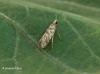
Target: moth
(49,34)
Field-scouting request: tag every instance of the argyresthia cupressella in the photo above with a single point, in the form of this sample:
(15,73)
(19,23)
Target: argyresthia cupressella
(48,35)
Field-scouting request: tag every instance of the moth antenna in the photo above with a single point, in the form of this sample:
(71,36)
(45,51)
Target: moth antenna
(59,15)
(56,15)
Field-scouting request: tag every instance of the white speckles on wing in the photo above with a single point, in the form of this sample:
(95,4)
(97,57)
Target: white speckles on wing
(43,43)
(52,26)
(47,36)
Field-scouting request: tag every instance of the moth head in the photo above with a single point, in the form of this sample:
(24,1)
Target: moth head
(56,21)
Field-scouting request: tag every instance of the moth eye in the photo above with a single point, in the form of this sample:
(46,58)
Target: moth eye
(56,22)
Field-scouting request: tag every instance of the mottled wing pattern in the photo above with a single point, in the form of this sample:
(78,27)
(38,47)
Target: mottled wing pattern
(47,36)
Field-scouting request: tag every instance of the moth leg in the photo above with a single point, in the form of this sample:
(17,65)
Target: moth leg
(52,42)
(59,34)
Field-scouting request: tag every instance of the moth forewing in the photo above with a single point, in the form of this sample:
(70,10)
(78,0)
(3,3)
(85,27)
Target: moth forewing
(48,35)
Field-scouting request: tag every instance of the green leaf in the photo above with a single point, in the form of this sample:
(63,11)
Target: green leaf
(22,24)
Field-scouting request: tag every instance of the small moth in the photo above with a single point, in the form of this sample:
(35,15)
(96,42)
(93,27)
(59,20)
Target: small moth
(49,34)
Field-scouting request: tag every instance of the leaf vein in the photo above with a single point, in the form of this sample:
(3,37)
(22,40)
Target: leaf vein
(82,40)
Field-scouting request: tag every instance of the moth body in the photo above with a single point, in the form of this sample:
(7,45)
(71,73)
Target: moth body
(48,35)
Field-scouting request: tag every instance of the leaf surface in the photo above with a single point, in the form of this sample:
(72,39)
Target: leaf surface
(22,24)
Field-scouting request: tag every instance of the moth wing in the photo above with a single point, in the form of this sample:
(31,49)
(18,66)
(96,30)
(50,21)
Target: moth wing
(44,40)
